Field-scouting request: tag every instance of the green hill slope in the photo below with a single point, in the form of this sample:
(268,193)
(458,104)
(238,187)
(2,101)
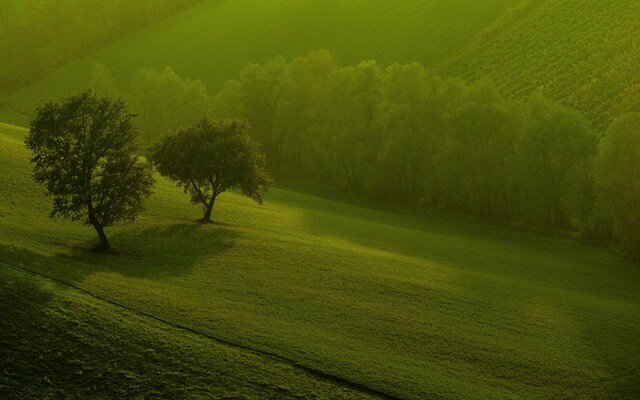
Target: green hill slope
(584,54)
(60,343)
(415,305)
(214,40)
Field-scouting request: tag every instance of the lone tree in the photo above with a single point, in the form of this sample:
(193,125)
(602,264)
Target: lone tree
(209,157)
(83,153)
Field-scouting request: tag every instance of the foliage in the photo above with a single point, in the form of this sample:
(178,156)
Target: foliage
(166,102)
(617,182)
(403,135)
(83,153)
(556,148)
(211,157)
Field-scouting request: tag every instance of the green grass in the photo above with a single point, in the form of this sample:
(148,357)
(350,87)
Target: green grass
(214,40)
(414,305)
(57,342)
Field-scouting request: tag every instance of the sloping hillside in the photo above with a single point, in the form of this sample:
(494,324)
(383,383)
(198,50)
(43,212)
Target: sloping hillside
(584,54)
(415,305)
(214,40)
(57,342)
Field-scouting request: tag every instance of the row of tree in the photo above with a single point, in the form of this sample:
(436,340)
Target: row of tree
(37,36)
(402,135)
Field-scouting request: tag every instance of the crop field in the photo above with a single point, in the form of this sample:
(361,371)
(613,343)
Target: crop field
(600,48)
(347,298)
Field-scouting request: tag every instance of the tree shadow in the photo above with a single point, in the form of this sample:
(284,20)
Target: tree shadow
(23,303)
(156,252)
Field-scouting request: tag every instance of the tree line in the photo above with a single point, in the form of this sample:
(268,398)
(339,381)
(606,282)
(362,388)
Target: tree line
(403,135)
(37,36)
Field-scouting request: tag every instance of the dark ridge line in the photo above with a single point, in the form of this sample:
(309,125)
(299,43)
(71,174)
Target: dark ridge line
(296,364)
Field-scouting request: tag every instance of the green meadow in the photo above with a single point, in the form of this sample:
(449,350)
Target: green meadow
(347,293)
(441,167)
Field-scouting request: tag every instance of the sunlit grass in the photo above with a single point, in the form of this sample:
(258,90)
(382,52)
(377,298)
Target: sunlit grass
(414,304)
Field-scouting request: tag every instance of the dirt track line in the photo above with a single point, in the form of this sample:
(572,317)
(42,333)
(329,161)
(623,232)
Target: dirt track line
(310,370)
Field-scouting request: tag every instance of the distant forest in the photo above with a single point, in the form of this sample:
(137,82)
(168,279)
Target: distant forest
(403,135)
(46,34)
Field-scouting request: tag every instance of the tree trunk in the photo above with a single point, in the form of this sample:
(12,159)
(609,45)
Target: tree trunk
(207,210)
(104,243)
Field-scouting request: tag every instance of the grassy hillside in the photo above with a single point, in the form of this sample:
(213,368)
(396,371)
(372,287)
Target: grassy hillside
(60,343)
(214,40)
(584,54)
(414,305)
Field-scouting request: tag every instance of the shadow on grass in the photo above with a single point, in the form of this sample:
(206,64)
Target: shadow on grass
(23,329)
(155,252)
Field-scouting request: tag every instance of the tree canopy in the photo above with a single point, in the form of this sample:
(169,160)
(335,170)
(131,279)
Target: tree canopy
(83,153)
(617,181)
(401,134)
(165,102)
(210,157)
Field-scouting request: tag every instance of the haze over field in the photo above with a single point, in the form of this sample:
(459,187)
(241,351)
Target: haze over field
(412,199)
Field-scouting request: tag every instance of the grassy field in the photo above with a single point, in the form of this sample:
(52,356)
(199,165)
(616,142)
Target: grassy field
(57,342)
(415,305)
(214,40)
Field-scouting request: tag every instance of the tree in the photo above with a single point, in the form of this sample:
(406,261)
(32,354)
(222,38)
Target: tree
(166,102)
(102,81)
(211,156)
(556,149)
(476,158)
(617,182)
(83,153)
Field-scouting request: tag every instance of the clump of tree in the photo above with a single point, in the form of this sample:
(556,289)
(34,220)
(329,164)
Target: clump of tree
(210,157)
(162,100)
(84,155)
(166,102)
(403,135)
(617,182)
